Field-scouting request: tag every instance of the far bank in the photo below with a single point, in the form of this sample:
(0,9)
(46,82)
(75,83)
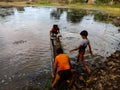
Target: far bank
(110,9)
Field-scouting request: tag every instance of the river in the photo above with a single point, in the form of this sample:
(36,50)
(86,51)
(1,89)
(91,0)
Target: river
(25,45)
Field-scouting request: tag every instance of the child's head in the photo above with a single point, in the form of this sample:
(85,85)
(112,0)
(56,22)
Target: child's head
(59,51)
(55,26)
(84,33)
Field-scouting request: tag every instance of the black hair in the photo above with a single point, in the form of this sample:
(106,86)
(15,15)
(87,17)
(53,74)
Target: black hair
(55,25)
(84,33)
(59,50)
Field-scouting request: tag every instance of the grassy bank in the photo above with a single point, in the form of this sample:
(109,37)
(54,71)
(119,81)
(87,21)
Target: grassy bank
(111,9)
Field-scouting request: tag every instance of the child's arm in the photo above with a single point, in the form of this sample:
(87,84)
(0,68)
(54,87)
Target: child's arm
(58,30)
(50,32)
(70,63)
(55,68)
(90,48)
(75,48)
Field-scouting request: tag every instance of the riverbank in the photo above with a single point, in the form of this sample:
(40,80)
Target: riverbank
(105,74)
(110,9)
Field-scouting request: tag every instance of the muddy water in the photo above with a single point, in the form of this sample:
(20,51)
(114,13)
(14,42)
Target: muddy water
(25,46)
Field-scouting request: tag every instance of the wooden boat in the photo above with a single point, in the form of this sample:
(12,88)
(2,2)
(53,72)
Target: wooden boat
(55,43)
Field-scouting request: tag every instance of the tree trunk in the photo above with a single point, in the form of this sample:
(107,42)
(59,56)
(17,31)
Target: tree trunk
(69,1)
(90,1)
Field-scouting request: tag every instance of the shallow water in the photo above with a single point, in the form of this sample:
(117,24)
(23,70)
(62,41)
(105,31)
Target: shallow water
(25,47)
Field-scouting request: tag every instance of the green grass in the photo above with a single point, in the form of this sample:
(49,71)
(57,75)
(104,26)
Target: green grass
(115,6)
(95,6)
(111,9)
(44,3)
(48,4)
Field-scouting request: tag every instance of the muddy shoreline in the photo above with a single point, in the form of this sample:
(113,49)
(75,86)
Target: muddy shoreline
(106,74)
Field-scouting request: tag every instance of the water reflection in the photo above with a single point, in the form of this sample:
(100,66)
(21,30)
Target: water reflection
(20,8)
(101,17)
(56,13)
(75,16)
(6,12)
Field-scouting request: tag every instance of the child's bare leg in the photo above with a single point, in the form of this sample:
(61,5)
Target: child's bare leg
(83,62)
(77,58)
(56,80)
(73,75)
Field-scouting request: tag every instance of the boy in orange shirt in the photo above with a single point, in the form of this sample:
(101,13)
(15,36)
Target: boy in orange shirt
(62,67)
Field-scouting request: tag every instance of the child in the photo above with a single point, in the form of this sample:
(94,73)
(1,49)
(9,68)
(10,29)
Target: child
(81,49)
(62,67)
(55,30)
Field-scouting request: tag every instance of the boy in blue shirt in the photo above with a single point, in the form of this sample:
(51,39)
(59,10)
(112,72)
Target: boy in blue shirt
(81,49)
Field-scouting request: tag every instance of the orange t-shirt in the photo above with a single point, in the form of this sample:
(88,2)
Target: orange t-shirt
(62,60)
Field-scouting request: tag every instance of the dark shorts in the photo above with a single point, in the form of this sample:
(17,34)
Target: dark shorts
(81,49)
(65,74)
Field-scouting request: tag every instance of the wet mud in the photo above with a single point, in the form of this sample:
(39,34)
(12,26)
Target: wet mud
(105,75)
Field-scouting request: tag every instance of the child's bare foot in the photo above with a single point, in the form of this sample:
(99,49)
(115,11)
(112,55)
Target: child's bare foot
(89,71)
(77,63)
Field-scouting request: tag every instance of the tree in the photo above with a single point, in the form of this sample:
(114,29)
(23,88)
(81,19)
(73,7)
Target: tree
(90,1)
(69,1)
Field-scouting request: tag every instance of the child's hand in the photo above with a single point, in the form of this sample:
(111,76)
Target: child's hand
(53,75)
(71,51)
